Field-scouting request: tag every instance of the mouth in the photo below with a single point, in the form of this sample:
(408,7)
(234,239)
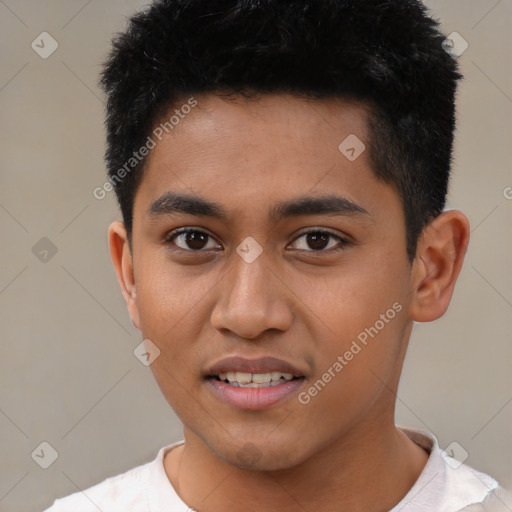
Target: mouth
(254,380)
(253,384)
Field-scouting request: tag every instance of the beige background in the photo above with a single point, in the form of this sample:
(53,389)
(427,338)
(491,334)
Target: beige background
(68,375)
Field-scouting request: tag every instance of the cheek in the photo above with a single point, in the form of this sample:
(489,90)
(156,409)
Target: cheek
(166,295)
(358,330)
(174,310)
(355,370)
(350,300)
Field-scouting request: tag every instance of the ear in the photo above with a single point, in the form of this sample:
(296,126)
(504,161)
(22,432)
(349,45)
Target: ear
(121,256)
(439,257)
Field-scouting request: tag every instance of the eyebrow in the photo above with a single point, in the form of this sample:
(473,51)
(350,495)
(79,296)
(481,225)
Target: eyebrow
(170,203)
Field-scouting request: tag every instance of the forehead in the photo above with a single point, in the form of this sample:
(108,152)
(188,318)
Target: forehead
(256,120)
(245,152)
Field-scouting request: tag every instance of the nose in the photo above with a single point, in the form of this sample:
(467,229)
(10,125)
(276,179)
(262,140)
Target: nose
(252,299)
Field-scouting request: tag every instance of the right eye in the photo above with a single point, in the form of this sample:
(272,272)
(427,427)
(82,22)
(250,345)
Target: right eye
(191,240)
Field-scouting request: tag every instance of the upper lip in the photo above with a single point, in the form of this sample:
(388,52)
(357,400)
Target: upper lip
(265,364)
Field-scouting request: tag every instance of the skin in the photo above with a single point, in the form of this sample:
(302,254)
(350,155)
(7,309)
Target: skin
(302,305)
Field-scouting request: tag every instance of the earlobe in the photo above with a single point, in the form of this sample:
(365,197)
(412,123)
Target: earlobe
(439,257)
(121,256)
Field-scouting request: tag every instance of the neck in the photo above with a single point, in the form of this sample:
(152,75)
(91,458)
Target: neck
(367,470)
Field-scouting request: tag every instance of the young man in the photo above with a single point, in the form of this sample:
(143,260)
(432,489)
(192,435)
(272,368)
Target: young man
(282,168)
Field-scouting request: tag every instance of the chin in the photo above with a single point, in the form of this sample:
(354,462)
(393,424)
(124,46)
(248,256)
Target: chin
(259,456)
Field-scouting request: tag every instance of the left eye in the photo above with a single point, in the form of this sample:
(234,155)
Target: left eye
(318,241)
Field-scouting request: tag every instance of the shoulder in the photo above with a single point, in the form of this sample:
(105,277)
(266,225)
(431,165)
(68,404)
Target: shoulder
(119,493)
(464,486)
(125,491)
(446,484)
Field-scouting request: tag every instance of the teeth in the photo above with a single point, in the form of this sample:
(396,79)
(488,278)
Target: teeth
(261,378)
(243,378)
(255,380)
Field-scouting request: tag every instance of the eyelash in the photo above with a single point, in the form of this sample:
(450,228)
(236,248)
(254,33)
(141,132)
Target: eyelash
(169,239)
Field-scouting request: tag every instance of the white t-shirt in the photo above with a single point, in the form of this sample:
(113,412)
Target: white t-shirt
(441,487)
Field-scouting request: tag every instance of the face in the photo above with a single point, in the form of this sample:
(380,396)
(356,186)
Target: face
(285,260)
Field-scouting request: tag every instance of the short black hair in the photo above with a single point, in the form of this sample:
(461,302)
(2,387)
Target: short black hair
(386,53)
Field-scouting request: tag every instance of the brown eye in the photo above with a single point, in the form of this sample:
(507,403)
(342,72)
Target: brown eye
(319,241)
(192,240)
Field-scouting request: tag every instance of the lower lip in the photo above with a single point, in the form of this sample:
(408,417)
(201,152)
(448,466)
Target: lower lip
(254,398)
